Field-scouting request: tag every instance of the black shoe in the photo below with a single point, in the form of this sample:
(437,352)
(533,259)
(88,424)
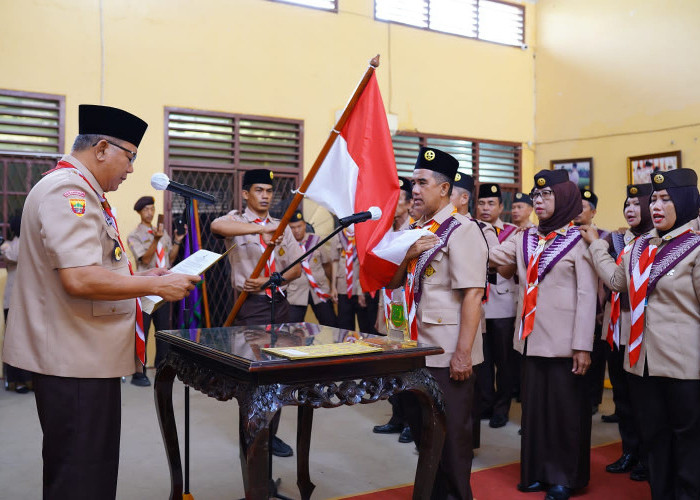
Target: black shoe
(140,379)
(558,492)
(610,419)
(594,409)
(21,389)
(280,448)
(405,436)
(498,421)
(531,488)
(622,464)
(639,473)
(388,428)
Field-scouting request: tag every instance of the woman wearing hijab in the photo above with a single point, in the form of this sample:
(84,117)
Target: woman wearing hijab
(662,274)
(616,329)
(554,332)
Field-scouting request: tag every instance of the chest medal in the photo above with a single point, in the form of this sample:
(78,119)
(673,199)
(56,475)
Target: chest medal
(117,252)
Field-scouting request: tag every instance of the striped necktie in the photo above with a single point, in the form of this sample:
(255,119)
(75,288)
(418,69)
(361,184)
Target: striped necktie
(312,281)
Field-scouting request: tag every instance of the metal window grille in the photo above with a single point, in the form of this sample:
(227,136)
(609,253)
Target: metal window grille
(488,20)
(486,161)
(211,151)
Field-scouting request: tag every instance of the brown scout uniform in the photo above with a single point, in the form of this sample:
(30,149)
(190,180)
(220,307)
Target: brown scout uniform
(140,240)
(48,331)
(299,289)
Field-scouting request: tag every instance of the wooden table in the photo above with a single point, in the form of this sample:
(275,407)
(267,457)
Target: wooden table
(226,363)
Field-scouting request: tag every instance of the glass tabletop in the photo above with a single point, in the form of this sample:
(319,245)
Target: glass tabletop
(248,342)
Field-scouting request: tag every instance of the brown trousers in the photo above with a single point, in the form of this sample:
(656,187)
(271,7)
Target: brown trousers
(81,422)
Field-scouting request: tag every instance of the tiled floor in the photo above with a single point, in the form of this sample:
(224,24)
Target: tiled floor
(346,457)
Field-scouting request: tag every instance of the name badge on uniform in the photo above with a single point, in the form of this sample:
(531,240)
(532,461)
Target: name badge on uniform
(430,271)
(117,252)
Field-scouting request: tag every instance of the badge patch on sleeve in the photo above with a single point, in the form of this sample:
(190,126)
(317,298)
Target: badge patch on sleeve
(74,193)
(78,206)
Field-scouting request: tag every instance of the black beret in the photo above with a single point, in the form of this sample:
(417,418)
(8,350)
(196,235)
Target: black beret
(522,198)
(405,184)
(438,161)
(258,176)
(680,177)
(635,190)
(489,190)
(548,178)
(113,122)
(590,197)
(144,201)
(464,181)
(297,216)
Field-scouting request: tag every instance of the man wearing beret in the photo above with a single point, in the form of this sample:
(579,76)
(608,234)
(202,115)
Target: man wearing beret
(74,319)
(152,248)
(521,210)
(251,232)
(495,377)
(444,274)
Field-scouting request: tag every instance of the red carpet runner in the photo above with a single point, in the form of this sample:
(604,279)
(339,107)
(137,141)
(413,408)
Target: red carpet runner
(499,483)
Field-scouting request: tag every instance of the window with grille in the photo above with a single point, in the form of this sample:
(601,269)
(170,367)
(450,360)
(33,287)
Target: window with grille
(486,161)
(331,5)
(489,20)
(31,141)
(211,152)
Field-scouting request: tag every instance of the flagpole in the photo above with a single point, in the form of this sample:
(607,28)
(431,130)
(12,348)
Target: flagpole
(373,64)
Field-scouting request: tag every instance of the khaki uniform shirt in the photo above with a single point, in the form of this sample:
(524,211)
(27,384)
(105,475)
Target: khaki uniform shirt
(245,256)
(566,300)
(49,331)
(624,313)
(338,256)
(299,289)
(140,240)
(671,345)
(10,256)
(458,265)
(501,303)
(492,241)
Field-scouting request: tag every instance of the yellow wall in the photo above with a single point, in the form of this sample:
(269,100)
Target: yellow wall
(263,58)
(617,79)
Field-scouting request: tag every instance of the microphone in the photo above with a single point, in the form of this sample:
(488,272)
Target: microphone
(161,182)
(374,213)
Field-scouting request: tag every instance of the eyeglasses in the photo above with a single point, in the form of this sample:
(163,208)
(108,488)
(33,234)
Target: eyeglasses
(132,158)
(545,194)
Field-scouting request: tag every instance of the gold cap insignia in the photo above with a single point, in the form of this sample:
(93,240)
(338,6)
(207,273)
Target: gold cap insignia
(429,155)
(400,183)
(458,176)
(518,196)
(541,181)
(494,189)
(658,179)
(271,175)
(633,190)
(298,216)
(281,252)
(586,194)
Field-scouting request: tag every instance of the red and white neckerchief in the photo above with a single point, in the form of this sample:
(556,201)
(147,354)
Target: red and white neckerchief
(312,281)
(160,253)
(431,226)
(349,260)
(613,335)
(270,263)
(112,221)
(527,321)
(639,280)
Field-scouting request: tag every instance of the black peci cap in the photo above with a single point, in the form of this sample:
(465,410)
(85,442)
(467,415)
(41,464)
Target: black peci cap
(437,161)
(548,178)
(142,202)
(297,216)
(522,198)
(590,197)
(464,181)
(257,176)
(635,190)
(405,185)
(680,177)
(489,190)
(113,122)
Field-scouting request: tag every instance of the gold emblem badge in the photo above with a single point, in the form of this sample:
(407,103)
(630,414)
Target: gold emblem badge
(658,179)
(430,271)
(518,196)
(586,194)
(271,175)
(315,260)
(299,216)
(400,183)
(281,252)
(458,176)
(494,189)
(541,181)
(429,155)
(117,253)
(633,190)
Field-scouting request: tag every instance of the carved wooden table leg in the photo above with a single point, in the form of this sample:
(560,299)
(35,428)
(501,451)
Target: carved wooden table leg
(163,395)
(304,423)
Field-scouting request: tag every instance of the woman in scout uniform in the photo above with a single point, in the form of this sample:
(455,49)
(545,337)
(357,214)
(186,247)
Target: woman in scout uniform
(662,274)
(554,332)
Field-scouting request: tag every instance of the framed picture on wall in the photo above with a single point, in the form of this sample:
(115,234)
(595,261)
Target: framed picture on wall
(580,170)
(640,168)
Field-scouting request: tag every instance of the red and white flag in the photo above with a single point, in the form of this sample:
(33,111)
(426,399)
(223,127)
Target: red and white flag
(359,172)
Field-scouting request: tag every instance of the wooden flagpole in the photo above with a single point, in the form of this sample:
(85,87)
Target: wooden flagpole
(373,64)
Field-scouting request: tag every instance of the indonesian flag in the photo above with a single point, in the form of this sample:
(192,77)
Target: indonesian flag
(359,172)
